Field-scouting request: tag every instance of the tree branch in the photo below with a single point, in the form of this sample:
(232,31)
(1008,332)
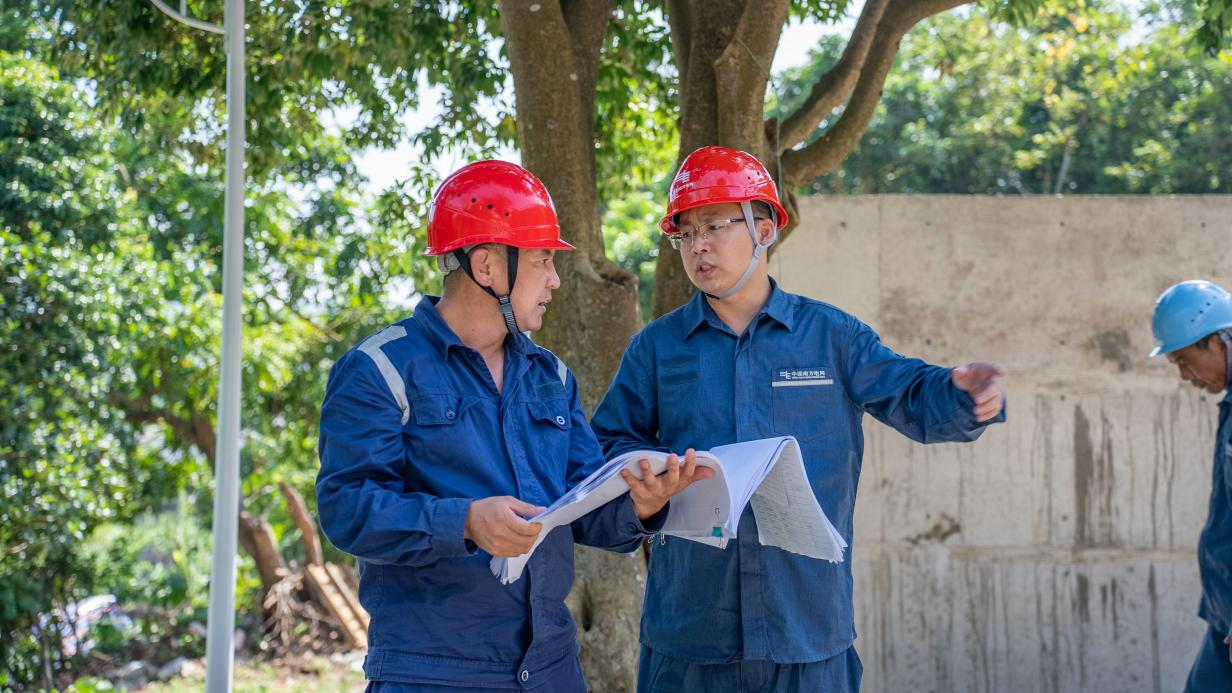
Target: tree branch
(303,520)
(834,86)
(802,165)
(257,537)
(197,430)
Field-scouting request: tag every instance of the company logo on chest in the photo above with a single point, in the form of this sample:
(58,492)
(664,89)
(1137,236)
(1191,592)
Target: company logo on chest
(810,376)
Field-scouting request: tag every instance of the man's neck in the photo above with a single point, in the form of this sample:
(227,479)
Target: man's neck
(738,310)
(477,322)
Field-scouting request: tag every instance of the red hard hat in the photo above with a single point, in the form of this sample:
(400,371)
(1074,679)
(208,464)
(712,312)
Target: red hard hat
(717,175)
(492,202)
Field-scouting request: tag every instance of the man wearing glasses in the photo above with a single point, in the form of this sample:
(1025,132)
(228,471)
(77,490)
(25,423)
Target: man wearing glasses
(743,360)
(1192,325)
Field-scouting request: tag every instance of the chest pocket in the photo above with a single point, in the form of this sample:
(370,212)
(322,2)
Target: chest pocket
(554,412)
(437,434)
(550,435)
(438,410)
(677,381)
(811,409)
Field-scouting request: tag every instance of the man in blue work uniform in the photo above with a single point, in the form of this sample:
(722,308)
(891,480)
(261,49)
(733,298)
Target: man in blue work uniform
(1192,325)
(742,360)
(442,433)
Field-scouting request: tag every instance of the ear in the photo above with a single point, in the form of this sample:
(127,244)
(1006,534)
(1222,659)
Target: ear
(484,265)
(765,230)
(1216,339)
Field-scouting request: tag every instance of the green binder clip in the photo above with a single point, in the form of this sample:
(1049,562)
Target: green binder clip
(718,529)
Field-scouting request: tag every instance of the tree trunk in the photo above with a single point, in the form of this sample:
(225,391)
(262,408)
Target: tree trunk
(553,55)
(258,540)
(303,520)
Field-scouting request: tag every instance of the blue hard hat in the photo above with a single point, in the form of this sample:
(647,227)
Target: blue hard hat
(1187,312)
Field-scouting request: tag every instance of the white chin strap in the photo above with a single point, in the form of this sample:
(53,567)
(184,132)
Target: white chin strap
(758,249)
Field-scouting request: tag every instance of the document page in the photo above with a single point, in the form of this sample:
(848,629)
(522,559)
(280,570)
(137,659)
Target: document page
(787,512)
(604,485)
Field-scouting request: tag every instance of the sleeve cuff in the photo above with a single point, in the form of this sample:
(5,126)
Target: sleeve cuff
(449,526)
(963,413)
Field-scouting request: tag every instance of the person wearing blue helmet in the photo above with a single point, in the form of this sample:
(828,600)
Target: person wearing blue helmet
(1192,325)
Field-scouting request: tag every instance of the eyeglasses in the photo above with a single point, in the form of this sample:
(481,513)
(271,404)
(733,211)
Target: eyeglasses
(705,232)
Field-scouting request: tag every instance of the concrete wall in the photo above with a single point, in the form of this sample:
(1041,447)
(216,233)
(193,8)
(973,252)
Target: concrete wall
(1058,552)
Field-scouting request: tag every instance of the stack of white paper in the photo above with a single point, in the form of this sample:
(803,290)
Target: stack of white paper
(768,472)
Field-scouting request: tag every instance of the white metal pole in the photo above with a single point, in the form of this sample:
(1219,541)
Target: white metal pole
(220,651)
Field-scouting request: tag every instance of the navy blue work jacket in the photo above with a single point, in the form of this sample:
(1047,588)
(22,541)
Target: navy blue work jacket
(802,368)
(412,430)
(1215,544)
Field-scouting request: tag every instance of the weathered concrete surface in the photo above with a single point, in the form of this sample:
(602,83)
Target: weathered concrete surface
(1057,553)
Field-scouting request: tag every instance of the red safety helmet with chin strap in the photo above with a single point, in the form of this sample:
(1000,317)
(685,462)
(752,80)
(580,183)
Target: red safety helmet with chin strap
(718,175)
(492,202)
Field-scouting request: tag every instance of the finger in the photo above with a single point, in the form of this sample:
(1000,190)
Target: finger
(988,411)
(512,519)
(959,375)
(671,476)
(986,395)
(636,486)
(522,528)
(699,471)
(987,370)
(515,546)
(523,508)
(650,480)
(656,482)
(689,468)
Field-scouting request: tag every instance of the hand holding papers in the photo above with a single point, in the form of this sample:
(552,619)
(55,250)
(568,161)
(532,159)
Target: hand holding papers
(768,472)
(651,492)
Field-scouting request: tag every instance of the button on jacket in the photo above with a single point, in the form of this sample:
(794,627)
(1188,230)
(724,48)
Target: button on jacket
(412,430)
(802,368)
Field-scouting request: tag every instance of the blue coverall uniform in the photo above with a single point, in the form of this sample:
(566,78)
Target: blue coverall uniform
(754,617)
(1212,670)
(413,429)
